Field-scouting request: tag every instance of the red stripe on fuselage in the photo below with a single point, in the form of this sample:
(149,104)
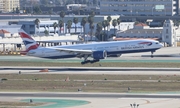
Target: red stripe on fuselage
(145,43)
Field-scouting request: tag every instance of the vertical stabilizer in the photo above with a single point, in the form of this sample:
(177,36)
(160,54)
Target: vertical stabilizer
(28,41)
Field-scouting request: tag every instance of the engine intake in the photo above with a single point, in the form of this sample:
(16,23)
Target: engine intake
(99,55)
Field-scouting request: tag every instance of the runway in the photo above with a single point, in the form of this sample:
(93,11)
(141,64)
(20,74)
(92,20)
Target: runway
(123,58)
(104,100)
(87,95)
(91,70)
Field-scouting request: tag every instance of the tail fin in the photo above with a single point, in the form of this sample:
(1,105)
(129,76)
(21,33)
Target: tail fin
(28,41)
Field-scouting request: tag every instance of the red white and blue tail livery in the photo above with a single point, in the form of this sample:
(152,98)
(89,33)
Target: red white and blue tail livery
(97,51)
(28,41)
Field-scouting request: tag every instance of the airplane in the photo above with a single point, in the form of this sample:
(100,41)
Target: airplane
(96,50)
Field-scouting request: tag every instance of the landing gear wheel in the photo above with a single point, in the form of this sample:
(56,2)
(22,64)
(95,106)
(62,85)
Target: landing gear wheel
(93,61)
(82,63)
(152,54)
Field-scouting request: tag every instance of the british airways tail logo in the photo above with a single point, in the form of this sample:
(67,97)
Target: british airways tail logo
(146,43)
(27,42)
(32,47)
(23,35)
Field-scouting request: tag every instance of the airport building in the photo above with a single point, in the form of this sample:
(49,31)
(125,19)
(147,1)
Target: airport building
(46,24)
(11,29)
(139,7)
(1,5)
(168,34)
(9,5)
(4,33)
(141,30)
(31,28)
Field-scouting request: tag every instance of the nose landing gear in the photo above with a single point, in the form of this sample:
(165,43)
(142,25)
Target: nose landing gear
(152,54)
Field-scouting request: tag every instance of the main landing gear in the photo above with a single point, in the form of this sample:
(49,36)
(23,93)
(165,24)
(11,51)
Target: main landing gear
(89,61)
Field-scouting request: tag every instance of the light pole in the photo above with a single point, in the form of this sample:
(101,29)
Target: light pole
(152,11)
(134,105)
(136,13)
(131,9)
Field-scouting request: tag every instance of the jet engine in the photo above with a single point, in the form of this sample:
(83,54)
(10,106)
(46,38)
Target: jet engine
(99,55)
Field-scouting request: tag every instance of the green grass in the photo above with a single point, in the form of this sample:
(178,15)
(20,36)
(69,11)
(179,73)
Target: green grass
(103,64)
(94,83)
(17,104)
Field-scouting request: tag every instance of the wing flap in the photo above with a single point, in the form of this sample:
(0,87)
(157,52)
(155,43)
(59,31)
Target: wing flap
(76,51)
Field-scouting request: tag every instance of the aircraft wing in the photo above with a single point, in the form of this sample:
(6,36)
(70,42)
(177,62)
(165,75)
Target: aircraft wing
(57,41)
(10,42)
(75,51)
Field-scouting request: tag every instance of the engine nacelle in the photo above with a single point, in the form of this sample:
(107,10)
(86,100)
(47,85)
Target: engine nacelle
(99,55)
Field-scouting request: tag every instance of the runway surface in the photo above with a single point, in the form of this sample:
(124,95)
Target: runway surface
(112,59)
(91,70)
(104,100)
(87,95)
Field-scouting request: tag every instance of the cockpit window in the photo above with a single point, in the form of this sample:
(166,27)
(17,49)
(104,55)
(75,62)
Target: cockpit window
(157,43)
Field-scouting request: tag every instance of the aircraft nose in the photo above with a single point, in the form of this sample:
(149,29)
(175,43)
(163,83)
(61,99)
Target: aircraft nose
(161,45)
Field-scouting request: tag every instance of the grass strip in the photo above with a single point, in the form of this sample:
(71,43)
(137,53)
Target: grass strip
(102,64)
(90,83)
(4,104)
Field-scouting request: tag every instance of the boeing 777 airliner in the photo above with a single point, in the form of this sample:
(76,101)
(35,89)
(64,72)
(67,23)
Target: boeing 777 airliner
(98,50)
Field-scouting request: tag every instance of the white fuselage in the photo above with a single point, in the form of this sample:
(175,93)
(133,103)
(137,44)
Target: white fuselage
(112,48)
